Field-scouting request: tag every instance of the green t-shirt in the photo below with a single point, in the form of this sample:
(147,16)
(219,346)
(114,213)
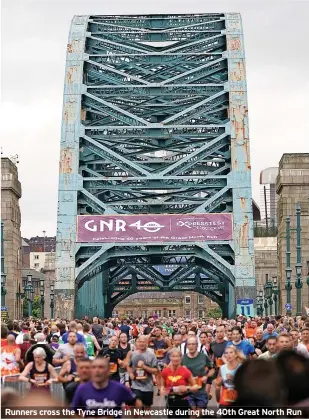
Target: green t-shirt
(169,329)
(197,364)
(89,344)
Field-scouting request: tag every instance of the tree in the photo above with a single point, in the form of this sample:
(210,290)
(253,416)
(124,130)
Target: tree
(214,313)
(36,307)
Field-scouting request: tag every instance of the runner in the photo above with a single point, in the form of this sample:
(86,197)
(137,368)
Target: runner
(242,345)
(224,381)
(92,344)
(177,382)
(83,370)
(10,357)
(305,337)
(161,346)
(113,354)
(65,351)
(271,345)
(68,372)
(142,365)
(101,392)
(41,374)
(125,349)
(201,367)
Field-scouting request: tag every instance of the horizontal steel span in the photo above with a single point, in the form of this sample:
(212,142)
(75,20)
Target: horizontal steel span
(155,124)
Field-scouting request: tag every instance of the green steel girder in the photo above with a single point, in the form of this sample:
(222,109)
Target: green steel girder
(154,121)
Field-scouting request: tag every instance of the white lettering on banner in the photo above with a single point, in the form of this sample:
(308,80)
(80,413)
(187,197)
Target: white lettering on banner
(120,225)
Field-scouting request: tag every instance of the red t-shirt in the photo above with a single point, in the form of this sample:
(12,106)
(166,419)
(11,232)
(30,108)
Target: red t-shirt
(176,378)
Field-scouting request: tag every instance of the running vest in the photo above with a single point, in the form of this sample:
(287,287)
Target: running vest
(89,345)
(39,376)
(158,346)
(228,392)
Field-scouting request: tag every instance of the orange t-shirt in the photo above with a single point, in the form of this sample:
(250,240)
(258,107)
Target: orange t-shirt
(251,332)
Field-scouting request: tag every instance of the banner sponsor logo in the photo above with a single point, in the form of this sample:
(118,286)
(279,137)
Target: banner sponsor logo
(155,228)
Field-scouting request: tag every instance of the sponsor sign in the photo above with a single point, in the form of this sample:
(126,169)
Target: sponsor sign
(155,228)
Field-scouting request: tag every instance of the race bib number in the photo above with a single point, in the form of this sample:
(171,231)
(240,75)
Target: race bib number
(219,362)
(112,367)
(199,381)
(40,378)
(140,374)
(159,353)
(229,395)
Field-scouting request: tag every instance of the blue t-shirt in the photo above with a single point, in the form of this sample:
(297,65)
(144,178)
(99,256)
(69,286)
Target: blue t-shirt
(80,338)
(244,346)
(267,335)
(112,397)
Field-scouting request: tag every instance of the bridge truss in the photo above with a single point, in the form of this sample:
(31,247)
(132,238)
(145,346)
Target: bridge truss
(155,121)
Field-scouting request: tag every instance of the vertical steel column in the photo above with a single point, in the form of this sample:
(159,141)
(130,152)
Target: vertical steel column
(298,281)
(288,270)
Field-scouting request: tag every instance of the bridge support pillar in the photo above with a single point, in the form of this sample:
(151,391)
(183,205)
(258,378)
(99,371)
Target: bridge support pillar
(228,307)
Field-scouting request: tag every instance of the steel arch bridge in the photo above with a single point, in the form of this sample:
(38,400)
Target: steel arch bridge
(155,121)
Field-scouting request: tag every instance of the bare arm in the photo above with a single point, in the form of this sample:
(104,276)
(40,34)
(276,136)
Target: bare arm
(25,373)
(52,373)
(63,376)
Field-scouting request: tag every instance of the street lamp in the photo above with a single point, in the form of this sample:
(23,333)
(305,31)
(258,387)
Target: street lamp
(29,293)
(276,293)
(298,266)
(307,281)
(268,294)
(260,303)
(3,276)
(42,301)
(52,295)
(288,270)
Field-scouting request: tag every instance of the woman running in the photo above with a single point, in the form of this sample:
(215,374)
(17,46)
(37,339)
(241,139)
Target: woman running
(225,379)
(41,374)
(177,382)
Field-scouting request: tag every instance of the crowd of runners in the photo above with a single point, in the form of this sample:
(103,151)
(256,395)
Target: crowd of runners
(103,363)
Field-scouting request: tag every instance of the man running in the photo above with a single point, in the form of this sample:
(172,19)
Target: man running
(101,392)
(113,353)
(65,351)
(271,345)
(68,372)
(202,368)
(142,366)
(243,346)
(160,346)
(125,348)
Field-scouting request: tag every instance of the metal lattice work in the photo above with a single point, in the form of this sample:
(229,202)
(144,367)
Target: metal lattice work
(154,122)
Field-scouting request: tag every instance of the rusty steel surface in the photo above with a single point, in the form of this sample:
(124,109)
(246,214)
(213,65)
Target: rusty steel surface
(155,121)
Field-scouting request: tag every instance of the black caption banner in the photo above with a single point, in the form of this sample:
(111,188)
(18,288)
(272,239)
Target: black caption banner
(154,413)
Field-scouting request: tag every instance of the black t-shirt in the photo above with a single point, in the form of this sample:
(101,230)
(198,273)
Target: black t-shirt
(148,330)
(260,345)
(97,330)
(218,349)
(114,355)
(123,351)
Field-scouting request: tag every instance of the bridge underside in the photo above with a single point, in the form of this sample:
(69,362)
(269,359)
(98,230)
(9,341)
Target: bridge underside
(154,122)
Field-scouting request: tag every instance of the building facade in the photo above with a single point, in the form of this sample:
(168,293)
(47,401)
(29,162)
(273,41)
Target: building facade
(293,189)
(268,196)
(266,260)
(189,305)
(12,244)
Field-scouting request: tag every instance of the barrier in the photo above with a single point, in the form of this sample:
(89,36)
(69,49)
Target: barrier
(11,381)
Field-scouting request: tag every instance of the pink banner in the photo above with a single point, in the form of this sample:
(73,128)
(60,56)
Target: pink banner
(155,228)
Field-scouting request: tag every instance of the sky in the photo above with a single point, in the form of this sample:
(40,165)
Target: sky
(34,38)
